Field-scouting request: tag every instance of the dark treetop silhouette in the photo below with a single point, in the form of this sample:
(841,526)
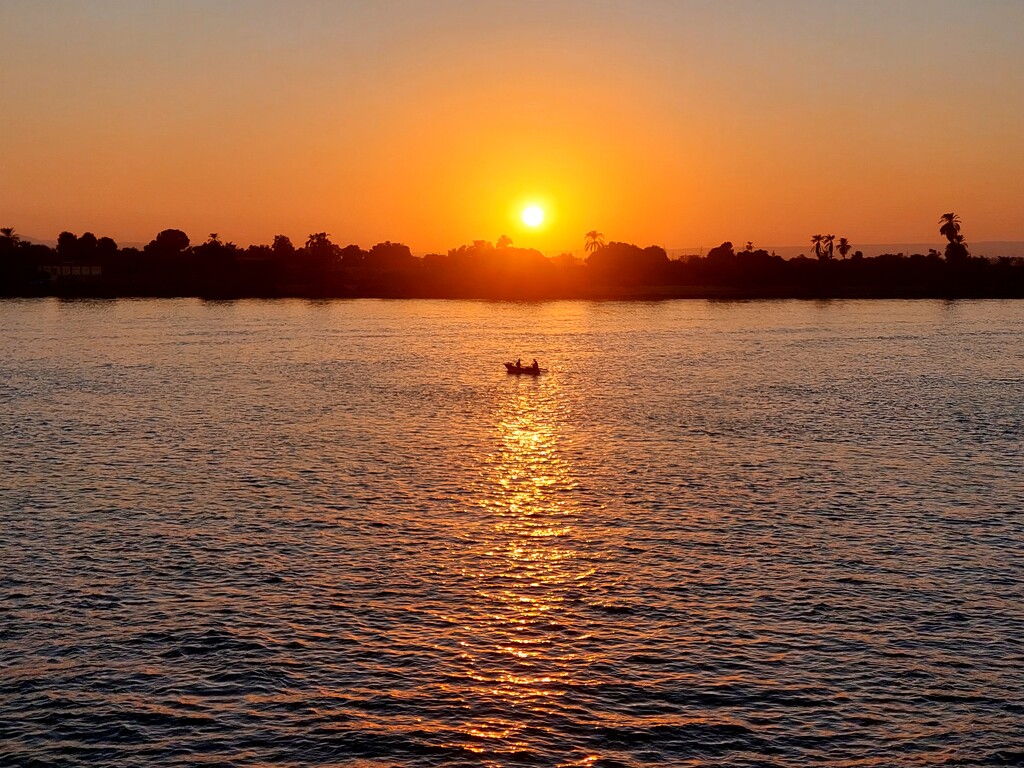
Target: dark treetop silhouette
(956,248)
(170,265)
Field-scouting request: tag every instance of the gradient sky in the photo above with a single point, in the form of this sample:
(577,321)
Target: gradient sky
(433,122)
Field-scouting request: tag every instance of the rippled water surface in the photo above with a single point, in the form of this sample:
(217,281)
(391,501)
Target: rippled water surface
(339,534)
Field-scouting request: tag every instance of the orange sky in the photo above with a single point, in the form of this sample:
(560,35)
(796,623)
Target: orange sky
(433,123)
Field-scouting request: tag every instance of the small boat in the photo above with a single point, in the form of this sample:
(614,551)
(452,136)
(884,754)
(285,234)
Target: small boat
(529,370)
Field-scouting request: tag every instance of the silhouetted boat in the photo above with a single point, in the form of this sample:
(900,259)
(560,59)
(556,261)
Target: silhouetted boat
(527,369)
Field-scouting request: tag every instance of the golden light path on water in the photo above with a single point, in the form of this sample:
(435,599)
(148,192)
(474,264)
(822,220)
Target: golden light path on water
(529,568)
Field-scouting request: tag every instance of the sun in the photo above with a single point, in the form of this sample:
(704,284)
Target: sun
(533,216)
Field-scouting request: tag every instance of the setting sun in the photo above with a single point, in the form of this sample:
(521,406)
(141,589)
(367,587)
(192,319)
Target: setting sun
(533,216)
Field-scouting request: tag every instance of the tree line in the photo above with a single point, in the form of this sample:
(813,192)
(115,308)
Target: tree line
(171,265)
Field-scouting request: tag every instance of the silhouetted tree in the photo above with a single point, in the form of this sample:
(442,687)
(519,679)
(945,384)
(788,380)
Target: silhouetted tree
(719,266)
(756,268)
(479,269)
(172,267)
(209,248)
(87,245)
(168,263)
(282,247)
(721,257)
(10,245)
(721,253)
(17,264)
(320,250)
(319,242)
(816,241)
(389,256)
(956,248)
(67,245)
(829,241)
(263,252)
(628,263)
(352,255)
(217,260)
(169,241)
(106,249)
(950,226)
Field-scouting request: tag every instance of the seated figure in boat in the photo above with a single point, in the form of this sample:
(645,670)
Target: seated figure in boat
(536,367)
(519,362)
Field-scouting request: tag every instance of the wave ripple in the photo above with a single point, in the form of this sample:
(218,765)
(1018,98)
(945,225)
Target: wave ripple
(287,534)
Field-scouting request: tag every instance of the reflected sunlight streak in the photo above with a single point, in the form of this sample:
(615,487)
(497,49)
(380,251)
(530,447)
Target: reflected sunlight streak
(517,648)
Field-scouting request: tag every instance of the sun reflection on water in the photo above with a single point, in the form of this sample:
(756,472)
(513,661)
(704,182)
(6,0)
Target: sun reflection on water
(524,645)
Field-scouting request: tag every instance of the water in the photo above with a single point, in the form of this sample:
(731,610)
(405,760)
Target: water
(338,534)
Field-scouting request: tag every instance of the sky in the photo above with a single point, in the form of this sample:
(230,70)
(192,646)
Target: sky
(681,123)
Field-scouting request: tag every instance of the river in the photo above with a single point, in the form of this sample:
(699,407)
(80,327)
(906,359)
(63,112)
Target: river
(289,533)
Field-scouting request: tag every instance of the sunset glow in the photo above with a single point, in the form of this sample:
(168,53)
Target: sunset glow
(504,383)
(419,126)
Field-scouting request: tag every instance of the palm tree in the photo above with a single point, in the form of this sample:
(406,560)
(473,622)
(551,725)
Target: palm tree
(950,226)
(504,242)
(829,245)
(816,242)
(318,239)
(844,247)
(8,234)
(595,240)
(956,249)
(320,248)
(749,247)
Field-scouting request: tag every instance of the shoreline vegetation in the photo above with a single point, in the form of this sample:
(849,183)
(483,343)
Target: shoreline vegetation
(171,266)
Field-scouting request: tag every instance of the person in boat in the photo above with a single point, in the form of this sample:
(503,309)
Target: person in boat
(536,367)
(519,362)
